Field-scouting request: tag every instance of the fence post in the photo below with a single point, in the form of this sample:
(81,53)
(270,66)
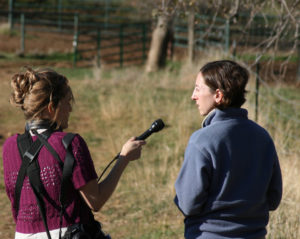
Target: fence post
(10,14)
(106,15)
(75,39)
(191,35)
(121,44)
(257,91)
(227,35)
(22,21)
(59,8)
(298,71)
(234,48)
(98,46)
(144,41)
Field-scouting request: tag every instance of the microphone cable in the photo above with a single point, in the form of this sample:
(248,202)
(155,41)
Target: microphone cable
(156,126)
(110,163)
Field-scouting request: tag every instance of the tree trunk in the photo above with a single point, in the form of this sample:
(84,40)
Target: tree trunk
(161,36)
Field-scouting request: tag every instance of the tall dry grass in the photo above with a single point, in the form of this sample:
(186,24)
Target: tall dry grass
(281,118)
(128,101)
(113,105)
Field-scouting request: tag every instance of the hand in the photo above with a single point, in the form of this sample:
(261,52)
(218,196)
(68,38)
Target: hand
(131,150)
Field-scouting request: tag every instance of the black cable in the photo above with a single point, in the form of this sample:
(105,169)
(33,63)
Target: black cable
(156,126)
(114,159)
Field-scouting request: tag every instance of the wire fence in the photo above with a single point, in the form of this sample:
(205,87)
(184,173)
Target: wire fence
(59,11)
(122,44)
(208,31)
(245,36)
(95,37)
(277,112)
(96,26)
(116,44)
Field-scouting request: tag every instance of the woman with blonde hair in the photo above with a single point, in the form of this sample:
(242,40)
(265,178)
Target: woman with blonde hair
(46,99)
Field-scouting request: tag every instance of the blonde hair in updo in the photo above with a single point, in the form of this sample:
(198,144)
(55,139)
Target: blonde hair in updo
(34,90)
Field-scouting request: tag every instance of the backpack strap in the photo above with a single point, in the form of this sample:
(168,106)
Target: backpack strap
(43,138)
(33,172)
(67,168)
(23,141)
(66,182)
(30,167)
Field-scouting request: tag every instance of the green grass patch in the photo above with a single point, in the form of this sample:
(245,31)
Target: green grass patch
(56,56)
(76,73)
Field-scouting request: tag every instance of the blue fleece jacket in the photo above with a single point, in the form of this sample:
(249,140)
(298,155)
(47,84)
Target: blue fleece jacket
(230,178)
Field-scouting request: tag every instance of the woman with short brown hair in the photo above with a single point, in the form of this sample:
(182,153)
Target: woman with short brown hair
(230,177)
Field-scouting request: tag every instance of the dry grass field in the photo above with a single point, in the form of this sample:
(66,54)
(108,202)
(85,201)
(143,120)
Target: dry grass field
(113,105)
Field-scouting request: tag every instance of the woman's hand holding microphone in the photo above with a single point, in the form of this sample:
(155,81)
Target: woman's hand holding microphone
(131,150)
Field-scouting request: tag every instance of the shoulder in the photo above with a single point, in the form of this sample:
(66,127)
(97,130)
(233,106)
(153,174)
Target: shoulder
(199,145)
(58,136)
(257,132)
(78,144)
(10,142)
(10,152)
(11,139)
(78,140)
(203,137)
(258,127)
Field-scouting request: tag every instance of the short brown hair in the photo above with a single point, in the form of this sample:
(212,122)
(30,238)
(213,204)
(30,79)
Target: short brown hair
(230,78)
(34,90)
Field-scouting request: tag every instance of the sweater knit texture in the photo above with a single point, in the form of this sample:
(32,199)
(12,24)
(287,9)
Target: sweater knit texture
(29,219)
(230,178)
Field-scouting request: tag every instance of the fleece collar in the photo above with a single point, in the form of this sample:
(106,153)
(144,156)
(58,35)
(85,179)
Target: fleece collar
(219,115)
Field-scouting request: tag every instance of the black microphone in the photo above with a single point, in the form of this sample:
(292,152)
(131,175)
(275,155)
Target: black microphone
(156,126)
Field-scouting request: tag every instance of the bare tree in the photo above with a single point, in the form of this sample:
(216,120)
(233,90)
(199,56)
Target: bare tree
(162,36)
(280,33)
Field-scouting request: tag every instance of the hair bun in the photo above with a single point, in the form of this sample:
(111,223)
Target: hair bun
(22,83)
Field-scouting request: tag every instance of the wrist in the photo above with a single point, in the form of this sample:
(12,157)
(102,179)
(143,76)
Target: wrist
(122,159)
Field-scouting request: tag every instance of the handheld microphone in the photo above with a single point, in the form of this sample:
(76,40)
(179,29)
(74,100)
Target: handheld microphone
(156,126)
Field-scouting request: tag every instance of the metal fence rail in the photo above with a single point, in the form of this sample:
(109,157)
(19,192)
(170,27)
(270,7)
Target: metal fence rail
(58,16)
(208,31)
(92,40)
(120,44)
(220,32)
(106,11)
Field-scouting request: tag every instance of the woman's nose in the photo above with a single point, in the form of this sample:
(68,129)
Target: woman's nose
(193,97)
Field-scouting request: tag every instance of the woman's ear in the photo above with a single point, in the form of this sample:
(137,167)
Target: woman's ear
(51,110)
(218,96)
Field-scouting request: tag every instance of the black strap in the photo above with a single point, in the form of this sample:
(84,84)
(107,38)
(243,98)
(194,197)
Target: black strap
(30,167)
(28,151)
(43,138)
(68,167)
(33,172)
(24,141)
(66,183)
(23,145)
